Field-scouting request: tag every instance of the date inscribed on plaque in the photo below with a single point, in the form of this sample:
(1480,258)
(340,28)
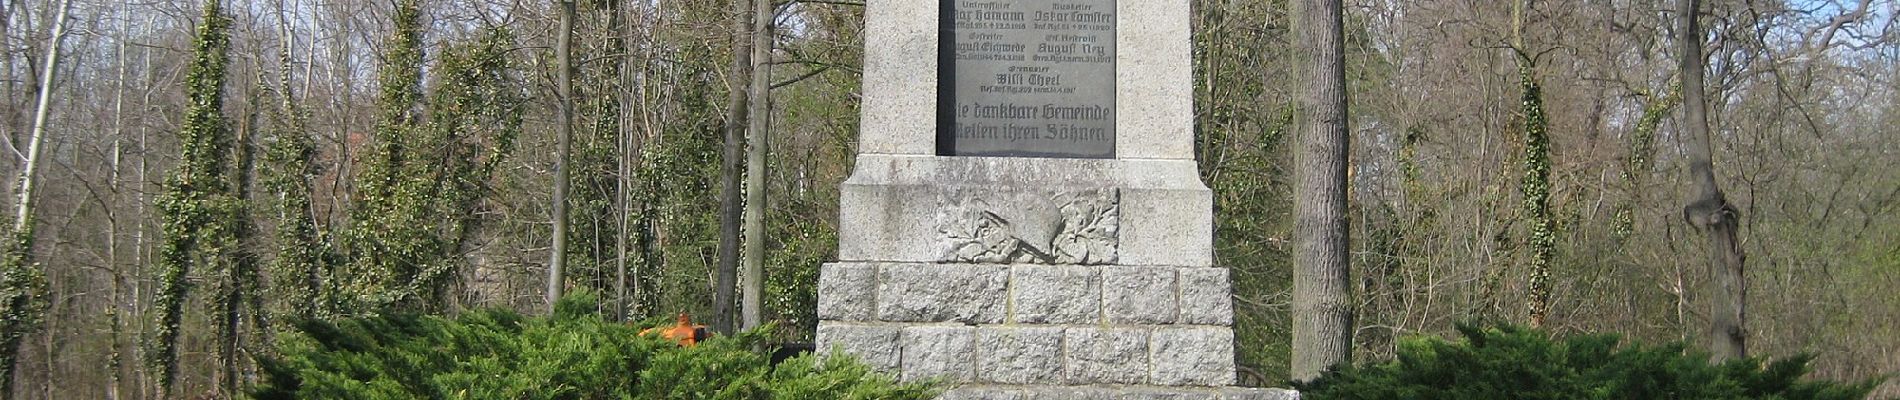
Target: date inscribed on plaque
(1027,78)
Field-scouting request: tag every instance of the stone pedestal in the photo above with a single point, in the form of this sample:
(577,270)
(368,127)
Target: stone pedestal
(1011,277)
(1032,278)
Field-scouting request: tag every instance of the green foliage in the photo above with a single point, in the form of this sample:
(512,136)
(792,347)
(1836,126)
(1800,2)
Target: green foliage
(1642,151)
(200,214)
(1243,120)
(677,224)
(303,257)
(812,151)
(384,242)
(420,191)
(576,354)
(593,164)
(22,298)
(1637,163)
(791,282)
(1509,362)
(1536,190)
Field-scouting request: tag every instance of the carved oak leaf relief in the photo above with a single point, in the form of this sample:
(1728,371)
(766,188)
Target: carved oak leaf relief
(1091,225)
(1032,227)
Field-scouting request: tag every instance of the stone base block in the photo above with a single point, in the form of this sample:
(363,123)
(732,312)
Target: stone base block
(1192,356)
(1168,355)
(1113,392)
(1024,294)
(1032,324)
(876,346)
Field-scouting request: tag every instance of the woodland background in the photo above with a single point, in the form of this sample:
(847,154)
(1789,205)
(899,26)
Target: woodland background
(353,190)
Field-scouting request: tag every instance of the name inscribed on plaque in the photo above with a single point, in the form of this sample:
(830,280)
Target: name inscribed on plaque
(1027,78)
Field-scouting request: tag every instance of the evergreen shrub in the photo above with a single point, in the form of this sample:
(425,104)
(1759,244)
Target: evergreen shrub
(1510,362)
(575,354)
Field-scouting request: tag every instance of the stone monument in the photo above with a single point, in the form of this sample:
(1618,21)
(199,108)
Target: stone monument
(1047,234)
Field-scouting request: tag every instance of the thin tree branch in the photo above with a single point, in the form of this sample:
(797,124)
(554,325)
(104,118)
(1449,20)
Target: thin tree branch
(801,77)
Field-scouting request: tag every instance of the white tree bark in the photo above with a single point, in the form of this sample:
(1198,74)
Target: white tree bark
(30,171)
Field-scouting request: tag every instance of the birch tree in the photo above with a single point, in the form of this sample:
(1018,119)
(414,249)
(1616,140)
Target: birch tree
(22,284)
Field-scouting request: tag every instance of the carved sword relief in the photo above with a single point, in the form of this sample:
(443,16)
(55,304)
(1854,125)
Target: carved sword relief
(1030,227)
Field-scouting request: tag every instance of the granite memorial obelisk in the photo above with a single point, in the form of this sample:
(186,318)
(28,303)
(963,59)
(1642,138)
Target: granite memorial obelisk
(1026,219)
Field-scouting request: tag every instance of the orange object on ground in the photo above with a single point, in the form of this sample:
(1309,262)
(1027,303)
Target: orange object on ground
(683,332)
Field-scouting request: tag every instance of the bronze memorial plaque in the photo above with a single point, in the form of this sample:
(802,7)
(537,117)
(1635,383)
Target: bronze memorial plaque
(1027,78)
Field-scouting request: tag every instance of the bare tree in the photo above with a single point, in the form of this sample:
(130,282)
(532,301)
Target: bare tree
(730,168)
(24,306)
(1710,210)
(623,147)
(1322,313)
(564,129)
(23,207)
(758,121)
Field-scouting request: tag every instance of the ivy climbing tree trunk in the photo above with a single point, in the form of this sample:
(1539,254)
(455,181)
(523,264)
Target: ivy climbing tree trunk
(237,299)
(1710,211)
(1322,311)
(301,267)
(21,282)
(1636,170)
(386,244)
(421,192)
(199,211)
(1536,184)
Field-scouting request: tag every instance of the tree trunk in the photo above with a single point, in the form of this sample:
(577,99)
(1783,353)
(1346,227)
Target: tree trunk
(759,122)
(239,282)
(1710,211)
(1536,184)
(1322,314)
(24,308)
(142,253)
(29,172)
(616,22)
(198,210)
(115,354)
(730,168)
(564,130)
